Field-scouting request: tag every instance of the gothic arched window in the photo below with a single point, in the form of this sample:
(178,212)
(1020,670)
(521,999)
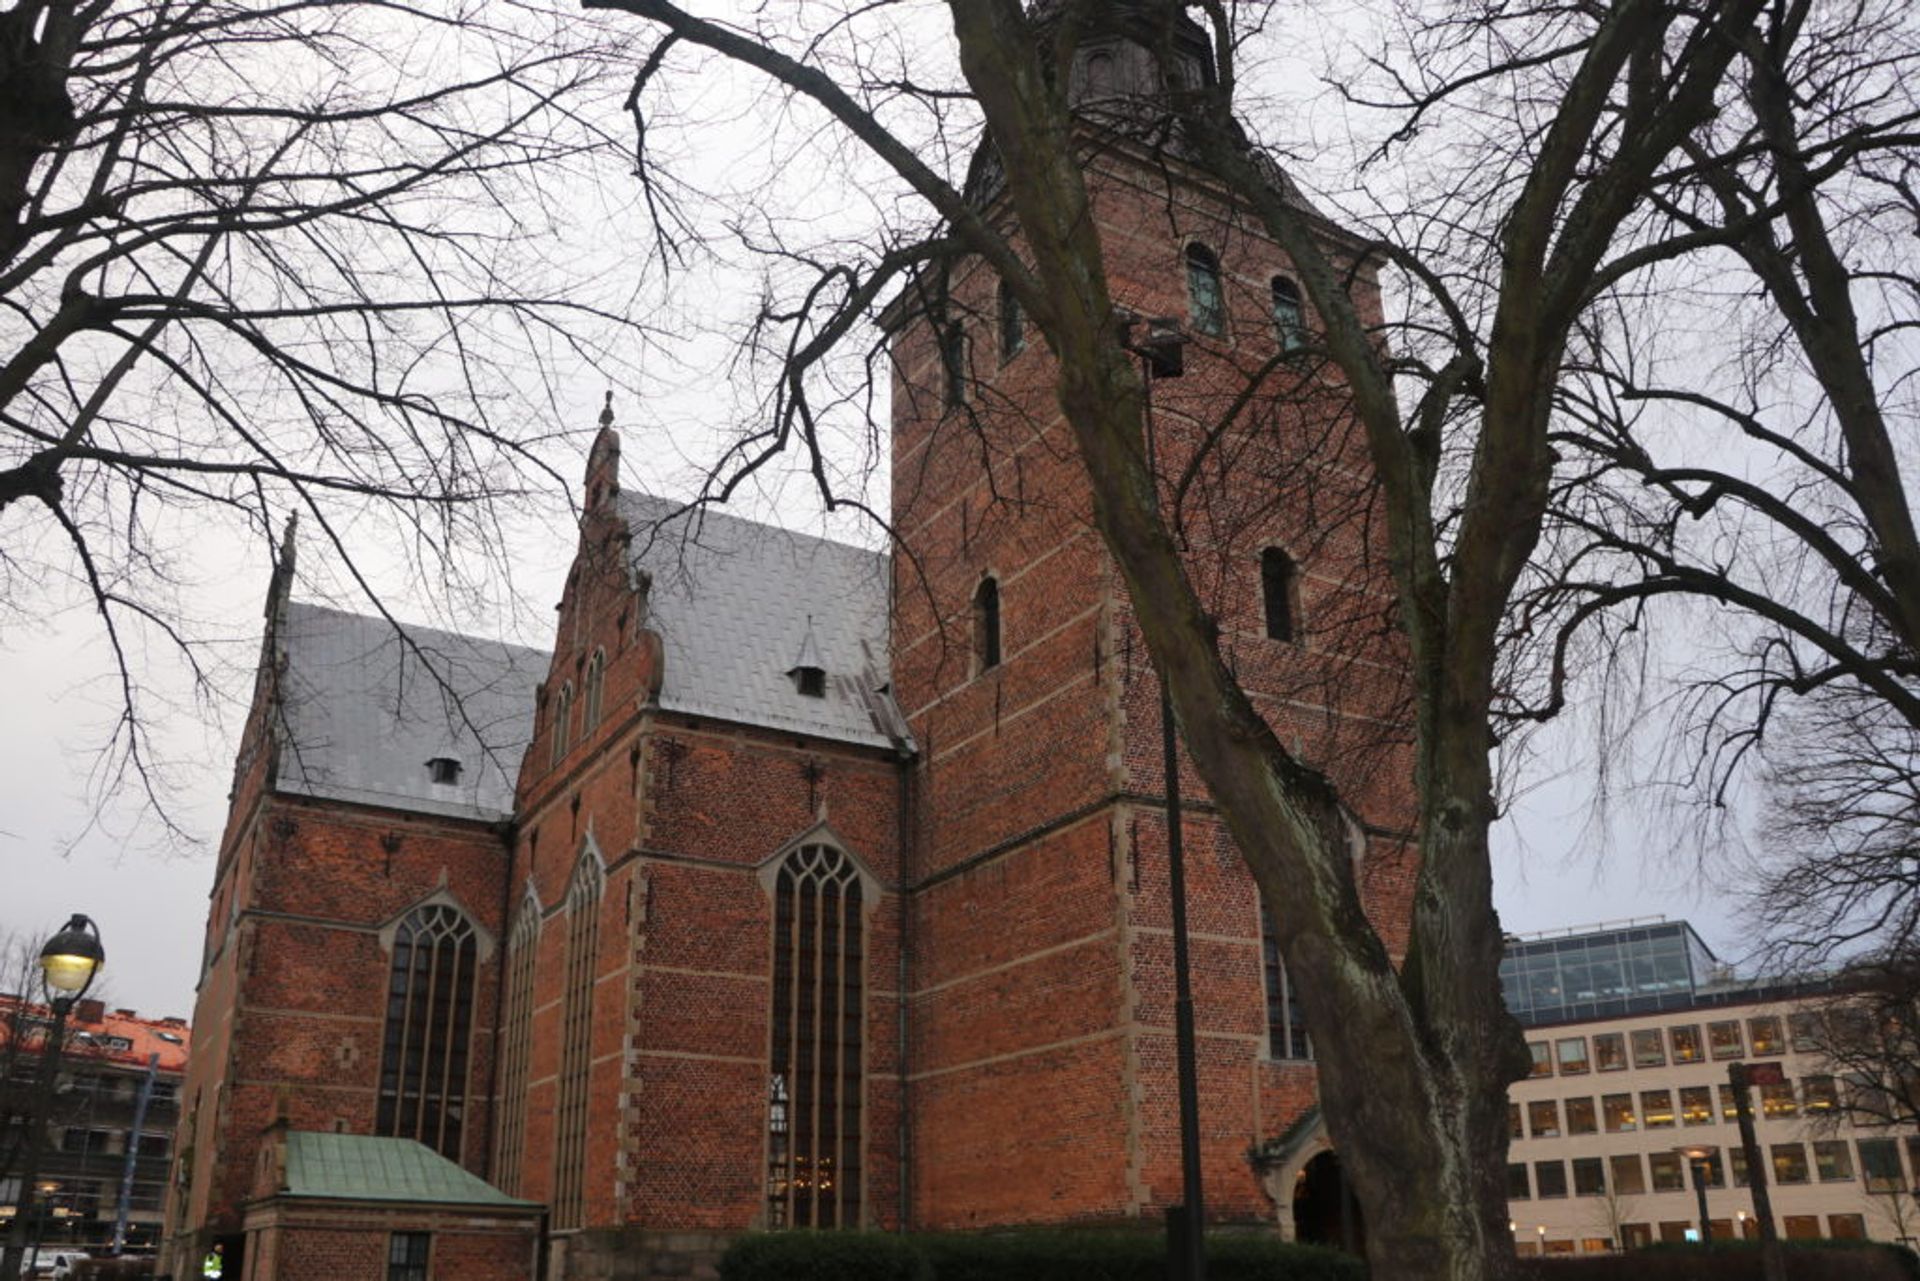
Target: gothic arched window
(1204,296)
(516,1045)
(428,1036)
(562,721)
(817,1061)
(596,679)
(1288,318)
(1286,1025)
(986,624)
(1276,590)
(576,1041)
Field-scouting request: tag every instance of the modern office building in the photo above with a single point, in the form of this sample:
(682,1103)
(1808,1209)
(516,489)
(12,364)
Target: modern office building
(106,1149)
(1632,1030)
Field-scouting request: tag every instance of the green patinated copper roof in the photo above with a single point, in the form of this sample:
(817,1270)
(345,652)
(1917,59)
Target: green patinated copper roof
(359,1167)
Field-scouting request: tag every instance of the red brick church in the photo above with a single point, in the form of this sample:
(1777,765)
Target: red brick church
(803,885)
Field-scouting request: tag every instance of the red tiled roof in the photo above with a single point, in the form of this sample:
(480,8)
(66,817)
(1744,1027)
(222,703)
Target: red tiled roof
(114,1036)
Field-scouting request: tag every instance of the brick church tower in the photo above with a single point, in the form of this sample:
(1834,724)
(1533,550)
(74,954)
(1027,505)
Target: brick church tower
(1041,1078)
(801,884)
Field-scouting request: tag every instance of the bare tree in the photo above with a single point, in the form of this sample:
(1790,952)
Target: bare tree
(1581,119)
(270,258)
(1764,475)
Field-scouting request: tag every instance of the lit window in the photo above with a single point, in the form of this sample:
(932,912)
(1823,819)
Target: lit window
(1803,1030)
(1696,1104)
(1647,1049)
(814,1091)
(1801,1227)
(1725,1039)
(1543,1118)
(1013,325)
(1542,1058)
(1817,1095)
(1777,1101)
(1288,319)
(1203,291)
(1666,1172)
(986,624)
(1737,1163)
(1616,1111)
(1516,1129)
(1572,1053)
(1277,591)
(1790,1162)
(1609,1052)
(407,1256)
(1581,1117)
(1286,1025)
(429,1022)
(1686,1043)
(1765,1030)
(1656,1109)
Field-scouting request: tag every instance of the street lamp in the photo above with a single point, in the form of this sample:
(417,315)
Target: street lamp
(1700,1156)
(69,963)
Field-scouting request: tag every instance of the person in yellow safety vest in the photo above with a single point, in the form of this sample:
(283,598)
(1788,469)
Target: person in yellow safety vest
(211,1268)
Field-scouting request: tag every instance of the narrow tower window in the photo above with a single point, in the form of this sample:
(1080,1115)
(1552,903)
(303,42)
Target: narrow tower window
(1288,319)
(1013,325)
(576,1043)
(1203,291)
(425,1045)
(1286,1025)
(1276,587)
(953,364)
(816,1064)
(986,624)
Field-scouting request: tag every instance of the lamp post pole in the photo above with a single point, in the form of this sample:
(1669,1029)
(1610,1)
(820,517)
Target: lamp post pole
(1161,356)
(68,964)
(1700,1156)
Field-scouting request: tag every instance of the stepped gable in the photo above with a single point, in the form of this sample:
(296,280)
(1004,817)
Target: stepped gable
(364,707)
(739,606)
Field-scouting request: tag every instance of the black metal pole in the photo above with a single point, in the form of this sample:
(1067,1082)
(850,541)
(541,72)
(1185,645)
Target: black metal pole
(1193,1238)
(23,1204)
(133,1153)
(1700,1191)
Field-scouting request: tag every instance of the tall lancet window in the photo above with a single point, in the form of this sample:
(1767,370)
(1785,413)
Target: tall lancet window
(516,1046)
(429,1029)
(576,1042)
(1204,295)
(815,1087)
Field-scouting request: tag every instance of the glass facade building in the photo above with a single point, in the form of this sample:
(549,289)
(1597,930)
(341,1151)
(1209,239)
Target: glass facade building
(1606,973)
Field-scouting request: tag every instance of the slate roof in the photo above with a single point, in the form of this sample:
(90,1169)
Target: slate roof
(364,708)
(360,1167)
(738,605)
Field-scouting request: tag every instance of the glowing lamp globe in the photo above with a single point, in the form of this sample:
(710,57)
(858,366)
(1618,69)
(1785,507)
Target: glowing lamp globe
(72,957)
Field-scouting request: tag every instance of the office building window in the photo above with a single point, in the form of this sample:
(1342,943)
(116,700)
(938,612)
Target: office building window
(1686,1043)
(1543,1118)
(1777,1101)
(1724,1038)
(1817,1095)
(1790,1162)
(1656,1109)
(1647,1048)
(1519,1187)
(1589,1176)
(1542,1058)
(1833,1161)
(1696,1104)
(1616,1111)
(1581,1117)
(1609,1052)
(1764,1029)
(1628,1178)
(1550,1179)
(1666,1170)
(1572,1053)
(1516,1127)
(1879,1164)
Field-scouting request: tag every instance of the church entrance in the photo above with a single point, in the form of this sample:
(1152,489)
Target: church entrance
(1324,1209)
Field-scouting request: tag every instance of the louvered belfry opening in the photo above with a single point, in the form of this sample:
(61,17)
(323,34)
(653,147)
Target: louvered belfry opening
(429,1027)
(815,1089)
(516,1045)
(576,1043)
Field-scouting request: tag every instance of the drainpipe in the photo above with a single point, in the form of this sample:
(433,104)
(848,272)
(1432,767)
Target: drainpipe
(904,809)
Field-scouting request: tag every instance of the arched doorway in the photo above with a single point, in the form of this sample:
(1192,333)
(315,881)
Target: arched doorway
(1324,1209)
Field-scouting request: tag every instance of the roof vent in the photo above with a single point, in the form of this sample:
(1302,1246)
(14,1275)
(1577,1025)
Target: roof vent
(444,769)
(808,673)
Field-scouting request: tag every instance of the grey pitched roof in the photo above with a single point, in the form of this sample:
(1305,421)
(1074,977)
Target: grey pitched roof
(361,1167)
(364,708)
(738,605)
